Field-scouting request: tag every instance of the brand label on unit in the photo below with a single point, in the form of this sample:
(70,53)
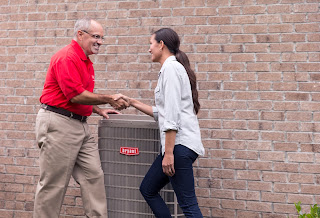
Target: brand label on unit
(129,151)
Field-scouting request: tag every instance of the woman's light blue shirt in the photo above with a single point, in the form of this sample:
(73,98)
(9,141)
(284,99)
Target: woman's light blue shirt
(174,106)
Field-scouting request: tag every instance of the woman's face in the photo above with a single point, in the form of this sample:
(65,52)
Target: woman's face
(155,49)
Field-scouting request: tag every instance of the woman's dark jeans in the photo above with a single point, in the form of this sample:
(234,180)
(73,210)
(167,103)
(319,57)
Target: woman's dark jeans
(182,183)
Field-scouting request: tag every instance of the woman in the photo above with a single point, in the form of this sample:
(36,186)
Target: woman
(176,99)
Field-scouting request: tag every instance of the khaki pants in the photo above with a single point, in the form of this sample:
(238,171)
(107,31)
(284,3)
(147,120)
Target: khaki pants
(67,148)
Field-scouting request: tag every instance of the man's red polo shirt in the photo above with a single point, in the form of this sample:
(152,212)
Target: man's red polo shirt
(69,74)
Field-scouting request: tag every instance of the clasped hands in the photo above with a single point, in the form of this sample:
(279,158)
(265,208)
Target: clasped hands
(120,101)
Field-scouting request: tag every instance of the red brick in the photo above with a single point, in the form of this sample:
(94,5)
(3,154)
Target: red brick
(234,184)
(283,47)
(255,29)
(259,186)
(293,18)
(285,147)
(284,208)
(279,9)
(265,86)
(256,48)
(243,19)
(286,167)
(273,197)
(233,204)
(248,214)
(281,28)
(229,11)
(242,57)
(258,67)
(313,37)
(234,105)
(301,178)
(234,145)
(304,157)
(272,156)
(233,67)
(209,183)
(259,165)
(248,175)
(274,177)
(257,9)
(245,96)
(247,195)
(271,96)
(222,194)
(268,57)
(306,8)
(203,11)
(286,188)
(219,20)
(259,206)
(213,39)
(268,18)
(242,38)
(312,47)
(309,27)
(310,189)
(230,29)
(248,155)
(223,173)
(261,146)
(292,1)
(234,164)
(208,48)
(234,125)
(314,17)
(289,57)
(250,115)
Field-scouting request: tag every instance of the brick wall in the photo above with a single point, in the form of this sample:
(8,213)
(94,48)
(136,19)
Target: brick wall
(257,64)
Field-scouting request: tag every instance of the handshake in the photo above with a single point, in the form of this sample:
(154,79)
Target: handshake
(120,101)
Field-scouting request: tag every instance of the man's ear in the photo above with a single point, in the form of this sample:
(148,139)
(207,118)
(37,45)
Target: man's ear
(79,35)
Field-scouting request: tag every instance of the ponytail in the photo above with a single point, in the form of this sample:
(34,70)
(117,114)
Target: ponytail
(184,60)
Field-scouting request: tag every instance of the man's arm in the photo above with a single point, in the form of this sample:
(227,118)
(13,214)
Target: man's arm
(89,98)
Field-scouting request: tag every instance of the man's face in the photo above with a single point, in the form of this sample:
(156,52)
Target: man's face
(91,40)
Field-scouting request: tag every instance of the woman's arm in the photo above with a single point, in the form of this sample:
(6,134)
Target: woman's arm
(147,109)
(168,159)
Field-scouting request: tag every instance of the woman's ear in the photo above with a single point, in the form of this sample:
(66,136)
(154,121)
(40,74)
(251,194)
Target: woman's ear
(161,45)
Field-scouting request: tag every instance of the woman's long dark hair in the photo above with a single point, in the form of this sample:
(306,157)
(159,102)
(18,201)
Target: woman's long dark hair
(171,39)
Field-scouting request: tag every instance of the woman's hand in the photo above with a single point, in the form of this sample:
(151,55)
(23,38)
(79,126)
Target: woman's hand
(119,101)
(120,96)
(168,164)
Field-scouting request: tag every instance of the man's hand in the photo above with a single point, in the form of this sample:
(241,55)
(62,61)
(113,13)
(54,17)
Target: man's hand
(105,112)
(119,102)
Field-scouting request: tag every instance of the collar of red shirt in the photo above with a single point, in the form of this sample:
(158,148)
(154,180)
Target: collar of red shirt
(79,51)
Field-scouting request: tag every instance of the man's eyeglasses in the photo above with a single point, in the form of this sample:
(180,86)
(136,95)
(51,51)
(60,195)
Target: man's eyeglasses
(98,37)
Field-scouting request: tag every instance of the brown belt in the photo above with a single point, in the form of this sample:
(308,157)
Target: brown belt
(64,112)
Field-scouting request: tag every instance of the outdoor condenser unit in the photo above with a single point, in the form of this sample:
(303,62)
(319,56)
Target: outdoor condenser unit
(128,145)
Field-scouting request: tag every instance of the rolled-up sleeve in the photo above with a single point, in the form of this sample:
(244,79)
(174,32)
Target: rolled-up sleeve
(172,98)
(155,113)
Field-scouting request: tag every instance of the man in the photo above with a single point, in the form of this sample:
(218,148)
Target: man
(62,133)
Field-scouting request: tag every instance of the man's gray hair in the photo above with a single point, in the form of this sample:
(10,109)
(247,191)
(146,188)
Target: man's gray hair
(82,24)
